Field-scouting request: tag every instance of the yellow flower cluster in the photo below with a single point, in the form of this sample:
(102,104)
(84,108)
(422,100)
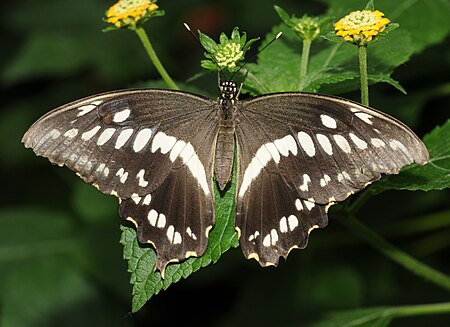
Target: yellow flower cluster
(129,12)
(228,55)
(360,27)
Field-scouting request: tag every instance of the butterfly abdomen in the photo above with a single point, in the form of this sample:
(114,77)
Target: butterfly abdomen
(223,165)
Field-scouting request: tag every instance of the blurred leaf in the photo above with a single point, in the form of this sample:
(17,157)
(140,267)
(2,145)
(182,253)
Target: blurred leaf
(25,233)
(141,260)
(92,205)
(435,175)
(373,317)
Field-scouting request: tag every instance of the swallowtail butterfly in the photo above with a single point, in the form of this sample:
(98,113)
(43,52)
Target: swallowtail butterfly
(157,151)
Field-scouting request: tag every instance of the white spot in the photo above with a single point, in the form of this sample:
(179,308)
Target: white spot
(191,234)
(123,137)
(273,236)
(71,133)
(298,204)
(96,103)
(152,216)
(136,198)
(106,172)
(195,166)
(286,144)
(273,151)
(262,157)
(342,143)
(365,117)
(340,177)
(377,142)
(100,168)
(161,221)
(394,144)
(266,240)
(307,143)
(54,134)
(85,109)
(147,199)
(306,180)
(327,121)
(253,236)
(283,225)
(141,139)
(163,142)
(309,204)
(122,175)
(89,134)
(170,233)
(325,180)
(354,109)
(293,222)
(105,136)
(325,143)
(346,175)
(177,148)
(358,142)
(140,176)
(177,238)
(121,116)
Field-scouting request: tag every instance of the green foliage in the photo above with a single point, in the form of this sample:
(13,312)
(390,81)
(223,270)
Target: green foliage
(63,266)
(141,260)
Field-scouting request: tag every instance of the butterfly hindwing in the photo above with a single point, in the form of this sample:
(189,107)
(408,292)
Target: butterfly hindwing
(314,149)
(153,149)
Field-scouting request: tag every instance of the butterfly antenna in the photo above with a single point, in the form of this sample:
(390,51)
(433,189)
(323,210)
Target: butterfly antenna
(256,54)
(221,74)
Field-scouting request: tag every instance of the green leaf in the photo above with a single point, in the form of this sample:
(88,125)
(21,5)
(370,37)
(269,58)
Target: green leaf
(208,43)
(373,317)
(141,260)
(435,175)
(284,16)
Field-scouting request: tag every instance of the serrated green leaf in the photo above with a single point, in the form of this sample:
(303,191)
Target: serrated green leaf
(435,175)
(141,260)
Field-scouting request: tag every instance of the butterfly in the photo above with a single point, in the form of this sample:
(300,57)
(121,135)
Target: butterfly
(161,152)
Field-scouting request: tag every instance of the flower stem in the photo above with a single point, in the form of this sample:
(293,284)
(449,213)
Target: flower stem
(362,56)
(421,309)
(304,62)
(154,58)
(396,254)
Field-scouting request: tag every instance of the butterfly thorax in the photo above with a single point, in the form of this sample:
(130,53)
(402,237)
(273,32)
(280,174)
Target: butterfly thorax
(225,139)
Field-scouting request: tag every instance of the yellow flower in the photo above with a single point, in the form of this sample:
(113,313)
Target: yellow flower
(228,54)
(130,12)
(360,27)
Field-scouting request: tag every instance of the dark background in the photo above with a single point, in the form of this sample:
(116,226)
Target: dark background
(60,257)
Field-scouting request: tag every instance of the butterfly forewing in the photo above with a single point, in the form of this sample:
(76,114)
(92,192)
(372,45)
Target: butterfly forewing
(299,153)
(151,148)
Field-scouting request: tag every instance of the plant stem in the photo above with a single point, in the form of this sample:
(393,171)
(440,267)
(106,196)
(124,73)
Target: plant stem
(154,58)
(422,309)
(396,254)
(362,56)
(304,62)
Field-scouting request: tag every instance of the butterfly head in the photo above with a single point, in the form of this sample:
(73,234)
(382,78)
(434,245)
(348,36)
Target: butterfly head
(228,91)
